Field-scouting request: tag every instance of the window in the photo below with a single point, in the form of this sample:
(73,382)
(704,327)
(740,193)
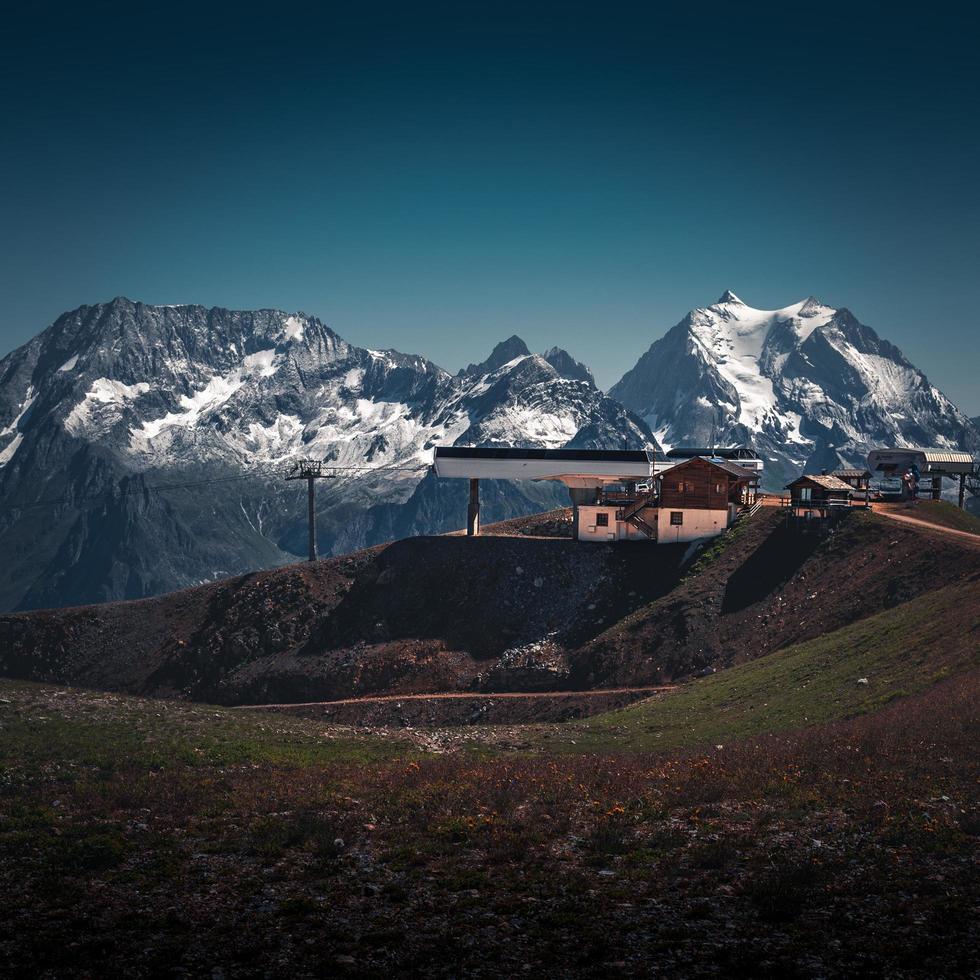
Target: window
(806,494)
(717,488)
(677,517)
(602,520)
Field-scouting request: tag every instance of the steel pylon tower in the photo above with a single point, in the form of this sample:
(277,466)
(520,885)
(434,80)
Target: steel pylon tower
(310,470)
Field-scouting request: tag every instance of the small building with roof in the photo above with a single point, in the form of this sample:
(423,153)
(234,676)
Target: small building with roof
(955,464)
(616,495)
(818,499)
(856,479)
(702,496)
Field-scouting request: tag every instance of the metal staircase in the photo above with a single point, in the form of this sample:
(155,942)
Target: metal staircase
(631,514)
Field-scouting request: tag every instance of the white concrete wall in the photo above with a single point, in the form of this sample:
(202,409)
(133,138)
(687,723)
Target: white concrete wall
(587,529)
(617,530)
(697,524)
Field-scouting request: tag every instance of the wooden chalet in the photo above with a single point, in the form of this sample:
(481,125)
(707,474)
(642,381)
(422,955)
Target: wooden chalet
(617,495)
(701,496)
(859,480)
(818,499)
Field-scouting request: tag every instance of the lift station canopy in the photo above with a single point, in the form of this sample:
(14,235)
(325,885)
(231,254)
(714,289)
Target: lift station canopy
(942,462)
(573,467)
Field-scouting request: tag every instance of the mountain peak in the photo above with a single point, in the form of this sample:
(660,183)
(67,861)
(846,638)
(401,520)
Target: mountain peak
(812,306)
(567,366)
(505,351)
(729,297)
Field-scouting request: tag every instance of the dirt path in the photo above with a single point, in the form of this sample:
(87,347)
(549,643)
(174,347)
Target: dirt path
(888,510)
(965,536)
(459,695)
(466,708)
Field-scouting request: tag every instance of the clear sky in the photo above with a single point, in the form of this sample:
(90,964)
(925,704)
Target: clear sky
(435,177)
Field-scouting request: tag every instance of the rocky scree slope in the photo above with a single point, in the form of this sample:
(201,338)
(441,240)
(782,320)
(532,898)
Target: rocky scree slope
(424,614)
(508,611)
(115,400)
(808,385)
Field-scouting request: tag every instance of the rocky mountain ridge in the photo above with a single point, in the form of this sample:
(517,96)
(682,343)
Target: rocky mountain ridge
(142,448)
(808,385)
(116,400)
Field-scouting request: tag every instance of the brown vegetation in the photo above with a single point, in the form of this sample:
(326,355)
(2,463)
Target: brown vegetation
(179,845)
(513,610)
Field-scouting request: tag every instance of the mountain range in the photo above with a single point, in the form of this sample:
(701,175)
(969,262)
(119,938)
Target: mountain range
(115,401)
(808,385)
(143,448)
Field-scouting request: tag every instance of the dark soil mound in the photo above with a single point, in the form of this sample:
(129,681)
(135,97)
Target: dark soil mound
(514,610)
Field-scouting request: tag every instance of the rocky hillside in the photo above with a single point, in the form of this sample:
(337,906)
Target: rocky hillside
(143,448)
(809,385)
(114,402)
(514,610)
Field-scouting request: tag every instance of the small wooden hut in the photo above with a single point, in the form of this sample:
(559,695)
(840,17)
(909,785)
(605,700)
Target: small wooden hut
(817,500)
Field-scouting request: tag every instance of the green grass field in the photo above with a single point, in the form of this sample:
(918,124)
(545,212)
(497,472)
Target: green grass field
(779,819)
(899,652)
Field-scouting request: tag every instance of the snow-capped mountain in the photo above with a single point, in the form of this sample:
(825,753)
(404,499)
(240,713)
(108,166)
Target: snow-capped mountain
(115,400)
(809,385)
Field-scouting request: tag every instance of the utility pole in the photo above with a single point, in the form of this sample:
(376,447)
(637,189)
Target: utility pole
(310,470)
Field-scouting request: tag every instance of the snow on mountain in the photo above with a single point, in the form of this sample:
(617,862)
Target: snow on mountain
(126,395)
(116,400)
(808,385)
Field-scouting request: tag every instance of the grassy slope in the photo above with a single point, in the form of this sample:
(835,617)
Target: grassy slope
(945,514)
(900,651)
(145,845)
(89,729)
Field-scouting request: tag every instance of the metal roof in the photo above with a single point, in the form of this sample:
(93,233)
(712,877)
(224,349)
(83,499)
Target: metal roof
(844,473)
(558,455)
(946,456)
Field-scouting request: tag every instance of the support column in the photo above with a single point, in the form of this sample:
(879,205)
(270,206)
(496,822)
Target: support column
(937,488)
(311,504)
(473,511)
(962,489)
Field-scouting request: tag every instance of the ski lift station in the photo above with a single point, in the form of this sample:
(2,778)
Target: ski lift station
(621,495)
(932,463)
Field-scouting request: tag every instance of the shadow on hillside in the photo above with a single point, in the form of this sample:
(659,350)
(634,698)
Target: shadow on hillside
(768,568)
(488,594)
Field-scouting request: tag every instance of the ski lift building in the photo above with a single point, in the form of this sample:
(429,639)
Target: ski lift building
(616,495)
(933,463)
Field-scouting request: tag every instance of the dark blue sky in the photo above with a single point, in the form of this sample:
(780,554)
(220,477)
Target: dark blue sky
(436,177)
